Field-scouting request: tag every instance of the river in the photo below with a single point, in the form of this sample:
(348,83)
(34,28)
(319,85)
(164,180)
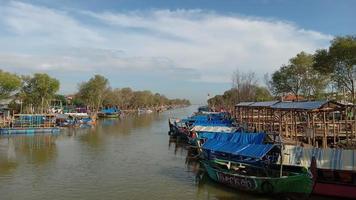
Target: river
(128,158)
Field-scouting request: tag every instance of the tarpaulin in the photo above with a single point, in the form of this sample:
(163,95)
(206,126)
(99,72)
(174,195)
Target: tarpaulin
(248,150)
(224,129)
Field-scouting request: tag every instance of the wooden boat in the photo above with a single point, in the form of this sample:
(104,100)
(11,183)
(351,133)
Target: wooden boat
(260,180)
(178,128)
(336,183)
(334,170)
(144,111)
(109,113)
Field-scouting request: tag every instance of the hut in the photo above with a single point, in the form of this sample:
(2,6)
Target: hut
(318,123)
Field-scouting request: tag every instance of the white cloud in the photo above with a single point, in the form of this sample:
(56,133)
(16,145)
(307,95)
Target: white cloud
(205,45)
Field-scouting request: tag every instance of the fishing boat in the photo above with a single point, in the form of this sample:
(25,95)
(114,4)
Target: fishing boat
(334,169)
(178,128)
(144,111)
(260,180)
(109,113)
(75,119)
(200,120)
(31,124)
(200,133)
(244,161)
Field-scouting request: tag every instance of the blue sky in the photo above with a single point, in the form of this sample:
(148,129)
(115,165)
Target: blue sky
(183,48)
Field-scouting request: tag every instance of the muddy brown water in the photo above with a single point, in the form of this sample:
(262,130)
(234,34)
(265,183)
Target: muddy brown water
(128,158)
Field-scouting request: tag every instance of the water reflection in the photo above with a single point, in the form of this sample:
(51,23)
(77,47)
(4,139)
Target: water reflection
(125,125)
(38,149)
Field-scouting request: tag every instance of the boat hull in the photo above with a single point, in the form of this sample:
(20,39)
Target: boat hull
(108,115)
(336,190)
(299,185)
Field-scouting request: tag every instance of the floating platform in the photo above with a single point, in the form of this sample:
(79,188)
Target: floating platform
(10,131)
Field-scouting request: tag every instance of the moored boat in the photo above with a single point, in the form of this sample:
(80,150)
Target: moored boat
(260,180)
(109,113)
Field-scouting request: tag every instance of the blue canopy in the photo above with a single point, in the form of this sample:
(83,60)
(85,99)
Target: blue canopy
(238,137)
(212,123)
(248,150)
(110,110)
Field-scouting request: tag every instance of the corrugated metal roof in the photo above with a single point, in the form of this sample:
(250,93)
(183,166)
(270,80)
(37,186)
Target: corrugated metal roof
(245,103)
(263,103)
(301,105)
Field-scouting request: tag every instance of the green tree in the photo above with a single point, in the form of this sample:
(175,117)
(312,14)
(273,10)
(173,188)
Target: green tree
(9,83)
(39,90)
(92,93)
(339,63)
(299,77)
(262,94)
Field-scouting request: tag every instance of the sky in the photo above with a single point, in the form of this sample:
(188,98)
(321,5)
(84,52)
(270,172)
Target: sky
(182,48)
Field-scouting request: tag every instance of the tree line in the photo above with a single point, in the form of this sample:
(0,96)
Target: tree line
(245,87)
(97,92)
(37,93)
(326,74)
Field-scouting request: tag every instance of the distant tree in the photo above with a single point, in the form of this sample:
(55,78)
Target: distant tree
(339,63)
(299,77)
(92,92)
(262,94)
(9,83)
(244,83)
(38,90)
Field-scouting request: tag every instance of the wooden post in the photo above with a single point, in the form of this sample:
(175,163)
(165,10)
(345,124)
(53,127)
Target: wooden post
(339,127)
(324,137)
(295,127)
(313,121)
(258,120)
(287,118)
(280,123)
(346,126)
(308,128)
(352,123)
(334,128)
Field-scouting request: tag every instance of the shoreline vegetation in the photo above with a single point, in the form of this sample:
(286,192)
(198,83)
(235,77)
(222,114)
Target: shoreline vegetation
(38,94)
(326,74)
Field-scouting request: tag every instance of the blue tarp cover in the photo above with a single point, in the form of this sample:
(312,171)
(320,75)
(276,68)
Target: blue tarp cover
(248,150)
(238,137)
(109,110)
(304,105)
(213,123)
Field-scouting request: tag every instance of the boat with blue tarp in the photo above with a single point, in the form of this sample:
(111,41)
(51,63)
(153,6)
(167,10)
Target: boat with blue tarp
(244,162)
(182,127)
(111,112)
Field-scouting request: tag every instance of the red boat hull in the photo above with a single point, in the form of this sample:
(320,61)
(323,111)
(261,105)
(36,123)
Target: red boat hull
(336,190)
